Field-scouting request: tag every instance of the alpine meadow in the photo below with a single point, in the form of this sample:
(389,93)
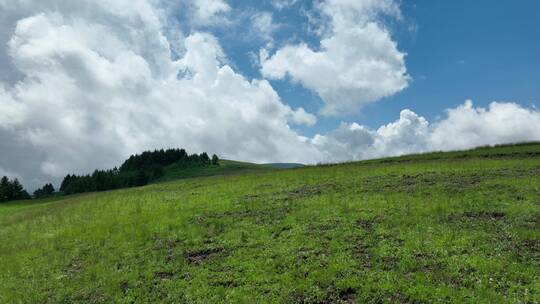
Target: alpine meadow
(269,151)
(441,227)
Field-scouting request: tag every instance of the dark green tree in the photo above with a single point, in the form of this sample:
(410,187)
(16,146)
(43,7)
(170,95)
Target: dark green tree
(215,160)
(18,191)
(12,190)
(205,160)
(45,191)
(137,170)
(4,189)
(65,183)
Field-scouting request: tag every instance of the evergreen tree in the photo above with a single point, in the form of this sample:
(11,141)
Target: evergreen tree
(45,191)
(65,183)
(12,190)
(215,160)
(4,189)
(18,191)
(205,160)
(137,170)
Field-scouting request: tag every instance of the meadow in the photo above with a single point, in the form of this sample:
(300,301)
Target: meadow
(459,227)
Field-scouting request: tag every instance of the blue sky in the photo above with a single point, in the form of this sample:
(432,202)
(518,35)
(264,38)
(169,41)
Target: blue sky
(483,50)
(86,83)
(456,50)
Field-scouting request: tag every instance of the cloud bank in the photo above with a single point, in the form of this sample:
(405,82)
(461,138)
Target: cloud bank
(98,83)
(357,63)
(86,83)
(464,127)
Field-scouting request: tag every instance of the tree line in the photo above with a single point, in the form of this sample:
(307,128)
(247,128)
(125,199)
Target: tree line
(45,191)
(12,190)
(137,170)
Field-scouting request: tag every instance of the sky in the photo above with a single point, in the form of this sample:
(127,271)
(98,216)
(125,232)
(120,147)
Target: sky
(84,84)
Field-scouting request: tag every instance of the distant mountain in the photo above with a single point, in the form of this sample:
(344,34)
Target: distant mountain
(285,165)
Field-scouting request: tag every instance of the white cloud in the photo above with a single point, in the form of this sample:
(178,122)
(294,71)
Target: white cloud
(502,122)
(84,88)
(465,127)
(281,4)
(93,93)
(210,11)
(358,62)
(264,26)
(301,117)
(11,111)
(409,134)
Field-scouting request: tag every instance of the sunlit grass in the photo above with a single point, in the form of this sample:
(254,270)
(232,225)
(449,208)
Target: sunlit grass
(458,227)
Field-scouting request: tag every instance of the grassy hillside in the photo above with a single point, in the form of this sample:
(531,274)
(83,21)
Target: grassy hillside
(226,167)
(441,227)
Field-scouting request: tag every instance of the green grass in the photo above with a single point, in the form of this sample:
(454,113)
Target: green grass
(226,167)
(460,227)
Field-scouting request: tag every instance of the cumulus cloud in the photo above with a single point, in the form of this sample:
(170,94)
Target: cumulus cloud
(281,4)
(87,83)
(264,26)
(502,122)
(11,111)
(301,117)
(100,85)
(408,134)
(357,63)
(210,12)
(464,127)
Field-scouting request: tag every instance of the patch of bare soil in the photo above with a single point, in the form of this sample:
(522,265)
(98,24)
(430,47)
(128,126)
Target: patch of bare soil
(485,215)
(200,256)
(163,275)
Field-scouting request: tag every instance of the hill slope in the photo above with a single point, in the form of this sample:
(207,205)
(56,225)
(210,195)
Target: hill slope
(442,227)
(226,167)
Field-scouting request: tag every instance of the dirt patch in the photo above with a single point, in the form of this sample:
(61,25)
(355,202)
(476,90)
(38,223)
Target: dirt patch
(362,252)
(485,215)
(405,183)
(73,269)
(224,283)
(531,245)
(426,263)
(362,249)
(296,193)
(333,295)
(366,224)
(163,275)
(347,296)
(476,217)
(200,256)
(451,182)
(124,287)
(317,228)
(311,190)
